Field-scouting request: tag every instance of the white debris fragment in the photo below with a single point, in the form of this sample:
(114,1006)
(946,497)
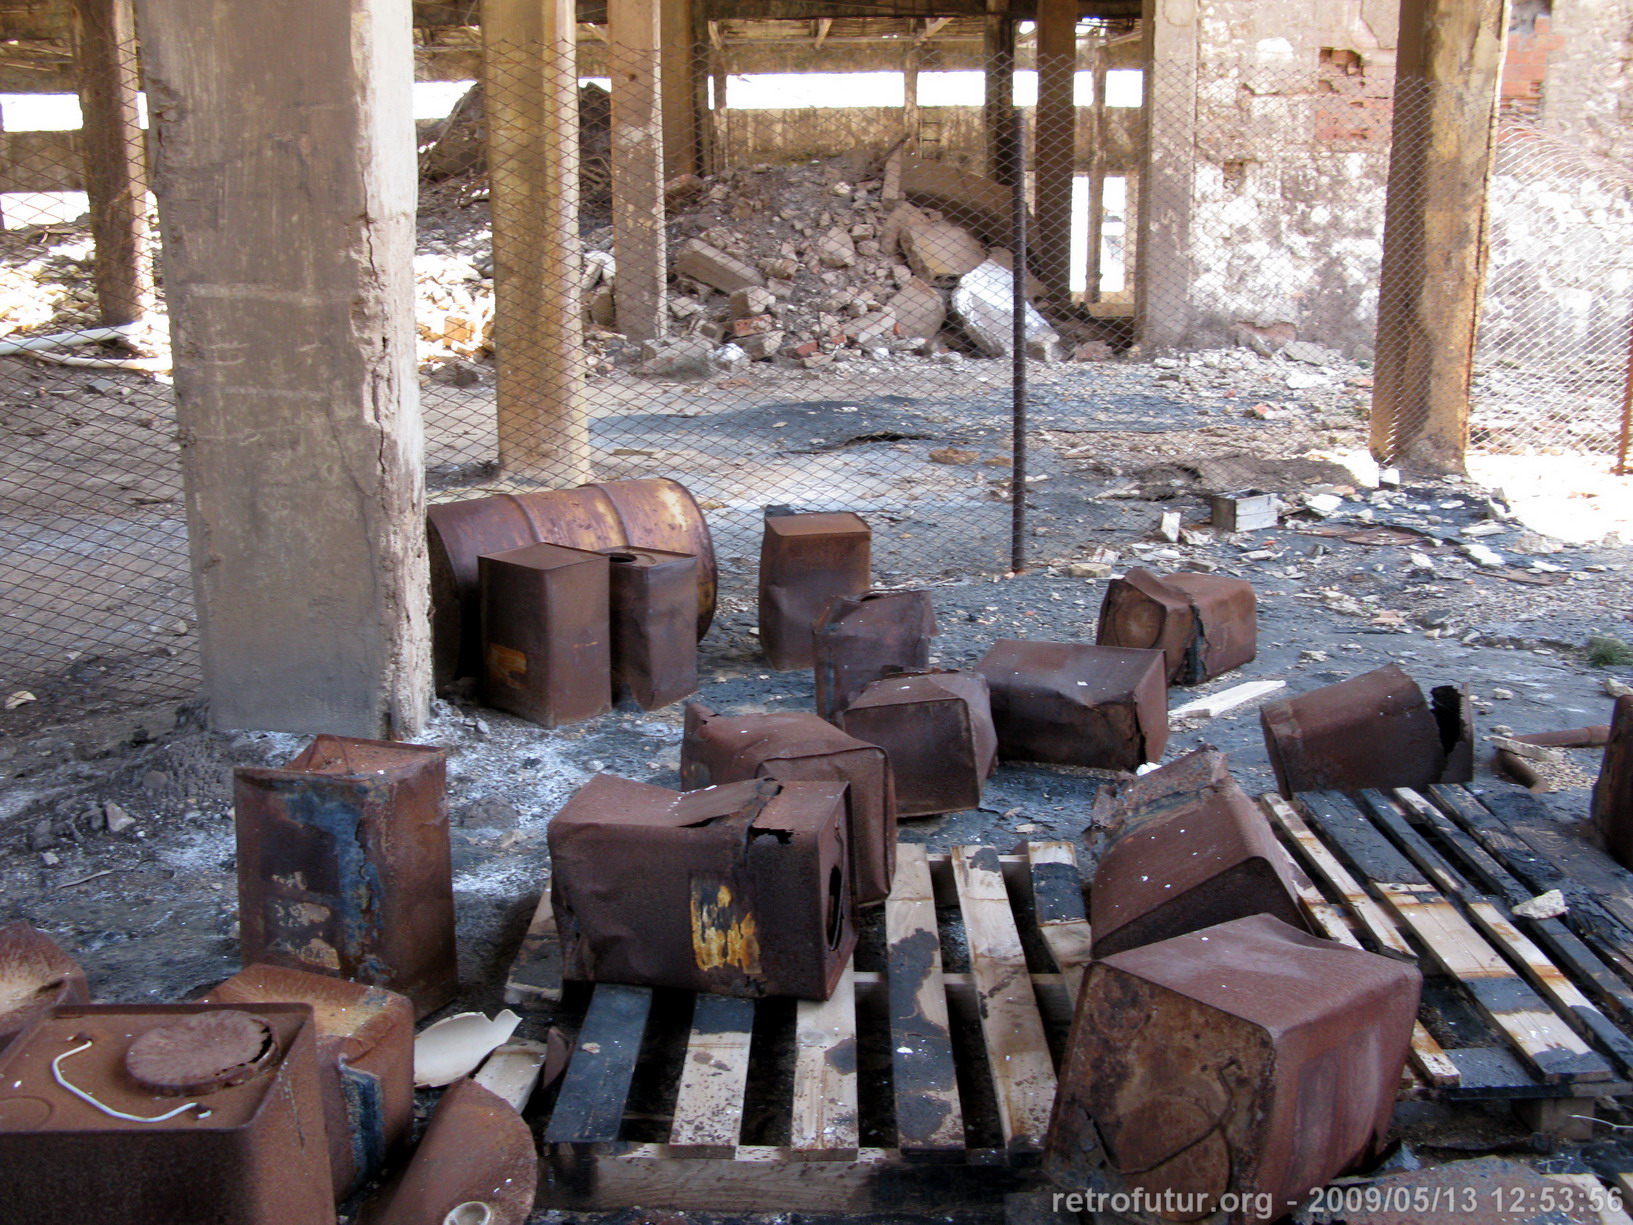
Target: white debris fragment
(1226,700)
(1550,905)
(1482,556)
(1323,504)
(455,1045)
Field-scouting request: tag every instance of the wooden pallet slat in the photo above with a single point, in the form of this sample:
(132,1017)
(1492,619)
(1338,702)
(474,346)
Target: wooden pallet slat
(1057,901)
(590,1107)
(535,973)
(709,1102)
(929,1115)
(1022,1073)
(825,1124)
(1431,1060)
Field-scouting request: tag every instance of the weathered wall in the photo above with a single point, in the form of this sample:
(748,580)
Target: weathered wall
(1587,96)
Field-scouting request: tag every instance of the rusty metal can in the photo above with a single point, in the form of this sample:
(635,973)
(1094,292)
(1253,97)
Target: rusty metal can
(365,1053)
(1373,730)
(742,889)
(796,746)
(344,866)
(1200,859)
(652,513)
(806,560)
(546,640)
(859,639)
(936,728)
(1247,1058)
(35,976)
(1078,705)
(244,1143)
(653,604)
(1613,790)
(1204,624)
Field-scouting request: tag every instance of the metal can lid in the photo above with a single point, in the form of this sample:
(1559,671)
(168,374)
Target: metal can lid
(201,1053)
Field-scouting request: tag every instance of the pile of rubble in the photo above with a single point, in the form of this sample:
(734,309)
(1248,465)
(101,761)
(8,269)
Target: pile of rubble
(46,280)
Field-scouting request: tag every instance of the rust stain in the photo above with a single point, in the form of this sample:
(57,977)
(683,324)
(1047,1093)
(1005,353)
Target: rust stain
(721,938)
(507,665)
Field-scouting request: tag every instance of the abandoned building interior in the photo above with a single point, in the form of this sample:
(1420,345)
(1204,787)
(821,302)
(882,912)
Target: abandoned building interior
(659,610)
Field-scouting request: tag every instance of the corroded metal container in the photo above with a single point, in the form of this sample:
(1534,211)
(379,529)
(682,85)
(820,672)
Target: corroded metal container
(1205,624)
(35,976)
(806,560)
(1373,730)
(655,513)
(1247,1058)
(244,1143)
(1077,705)
(742,889)
(858,640)
(344,866)
(1613,791)
(1208,858)
(365,1052)
(546,633)
(936,728)
(796,746)
(653,606)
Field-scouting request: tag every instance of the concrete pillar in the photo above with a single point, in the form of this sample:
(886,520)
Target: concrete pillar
(640,291)
(999,51)
(286,186)
(530,77)
(910,85)
(680,88)
(115,156)
(1055,159)
(1163,271)
(1447,74)
(1097,171)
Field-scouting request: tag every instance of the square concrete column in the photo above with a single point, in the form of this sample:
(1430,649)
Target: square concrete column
(641,287)
(1162,271)
(1055,162)
(286,184)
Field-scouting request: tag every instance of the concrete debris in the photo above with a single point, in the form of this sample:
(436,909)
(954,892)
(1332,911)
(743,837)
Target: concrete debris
(953,455)
(1480,555)
(1550,905)
(940,250)
(983,304)
(715,268)
(1168,526)
(1322,504)
(115,819)
(1087,569)
(919,309)
(681,357)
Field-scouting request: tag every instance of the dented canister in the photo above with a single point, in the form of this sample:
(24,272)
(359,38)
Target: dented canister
(856,640)
(344,866)
(1612,809)
(1205,624)
(184,1114)
(1249,1059)
(365,1053)
(35,976)
(936,728)
(1074,704)
(798,746)
(1199,859)
(806,560)
(653,610)
(1373,730)
(546,633)
(742,889)
(651,513)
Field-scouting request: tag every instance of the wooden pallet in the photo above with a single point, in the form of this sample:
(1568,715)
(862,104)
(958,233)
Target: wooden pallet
(933,1158)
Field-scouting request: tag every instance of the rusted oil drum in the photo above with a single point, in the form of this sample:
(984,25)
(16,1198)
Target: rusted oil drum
(658,514)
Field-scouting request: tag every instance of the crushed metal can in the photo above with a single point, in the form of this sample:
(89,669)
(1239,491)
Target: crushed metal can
(184,1114)
(35,976)
(546,633)
(796,746)
(1072,704)
(1198,859)
(806,560)
(936,728)
(344,866)
(1612,810)
(742,889)
(653,609)
(1373,730)
(365,1052)
(858,640)
(1205,624)
(1248,1058)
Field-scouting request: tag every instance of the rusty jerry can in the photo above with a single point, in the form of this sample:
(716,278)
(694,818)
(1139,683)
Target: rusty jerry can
(179,1114)
(1203,858)
(653,609)
(653,513)
(1373,730)
(1077,705)
(857,640)
(546,633)
(35,976)
(1205,624)
(365,1054)
(344,866)
(796,746)
(1249,1058)
(936,728)
(1612,808)
(742,889)
(805,560)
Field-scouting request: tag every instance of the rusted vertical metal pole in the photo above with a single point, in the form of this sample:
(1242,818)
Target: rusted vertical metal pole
(1017,440)
(1627,409)
(115,158)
